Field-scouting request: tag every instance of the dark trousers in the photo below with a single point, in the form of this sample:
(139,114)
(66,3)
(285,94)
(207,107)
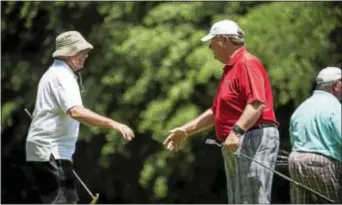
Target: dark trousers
(55,181)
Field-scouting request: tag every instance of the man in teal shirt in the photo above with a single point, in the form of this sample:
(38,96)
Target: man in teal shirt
(315,131)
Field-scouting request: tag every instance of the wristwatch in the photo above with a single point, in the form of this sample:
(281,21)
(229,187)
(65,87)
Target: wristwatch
(238,130)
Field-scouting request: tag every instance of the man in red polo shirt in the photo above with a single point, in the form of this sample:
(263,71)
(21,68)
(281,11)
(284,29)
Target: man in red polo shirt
(243,116)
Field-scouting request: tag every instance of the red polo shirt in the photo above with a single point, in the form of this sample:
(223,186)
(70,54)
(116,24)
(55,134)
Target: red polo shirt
(244,80)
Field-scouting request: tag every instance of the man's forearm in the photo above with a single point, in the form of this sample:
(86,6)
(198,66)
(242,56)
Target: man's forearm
(250,115)
(91,118)
(202,122)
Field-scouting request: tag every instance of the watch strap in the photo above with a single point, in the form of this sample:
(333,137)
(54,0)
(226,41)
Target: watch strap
(237,129)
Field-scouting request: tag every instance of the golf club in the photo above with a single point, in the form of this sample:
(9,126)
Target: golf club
(93,198)
(213,142)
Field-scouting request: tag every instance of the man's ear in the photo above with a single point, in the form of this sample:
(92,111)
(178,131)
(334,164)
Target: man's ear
(335,85)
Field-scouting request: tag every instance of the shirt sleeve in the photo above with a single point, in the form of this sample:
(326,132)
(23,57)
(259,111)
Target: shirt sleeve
(336,125)
(67,92)
(252,82)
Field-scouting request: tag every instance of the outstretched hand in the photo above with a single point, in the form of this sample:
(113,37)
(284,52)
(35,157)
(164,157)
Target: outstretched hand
(175,139)
(125,131)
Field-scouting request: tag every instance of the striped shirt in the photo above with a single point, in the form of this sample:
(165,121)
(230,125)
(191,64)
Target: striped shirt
(315,126)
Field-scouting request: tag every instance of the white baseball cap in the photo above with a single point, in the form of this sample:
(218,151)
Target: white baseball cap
(223,27)
(328,74)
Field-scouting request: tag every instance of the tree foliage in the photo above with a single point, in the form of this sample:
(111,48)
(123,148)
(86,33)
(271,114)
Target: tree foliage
(149,69)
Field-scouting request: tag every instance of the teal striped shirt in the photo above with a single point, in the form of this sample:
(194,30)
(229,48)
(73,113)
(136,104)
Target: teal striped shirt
(315,126)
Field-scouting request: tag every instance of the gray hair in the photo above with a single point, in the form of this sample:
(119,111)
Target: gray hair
(326,86)
(238,40)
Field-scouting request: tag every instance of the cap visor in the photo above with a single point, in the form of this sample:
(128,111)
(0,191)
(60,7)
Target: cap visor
(207,37)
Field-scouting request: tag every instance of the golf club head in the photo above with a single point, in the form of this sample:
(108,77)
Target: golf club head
(94,200)
(212,142)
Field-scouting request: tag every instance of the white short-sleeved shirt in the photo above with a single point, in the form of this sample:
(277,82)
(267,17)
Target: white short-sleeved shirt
(52,130)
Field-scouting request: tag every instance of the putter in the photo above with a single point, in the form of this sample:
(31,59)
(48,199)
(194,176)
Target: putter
(213,142)
(93,198)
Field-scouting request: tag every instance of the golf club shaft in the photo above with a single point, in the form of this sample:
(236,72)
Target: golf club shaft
(28,113)
(85,187)
(211,141)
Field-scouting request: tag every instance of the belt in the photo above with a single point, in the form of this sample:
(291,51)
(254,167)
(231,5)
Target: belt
(264,125)
(260,126)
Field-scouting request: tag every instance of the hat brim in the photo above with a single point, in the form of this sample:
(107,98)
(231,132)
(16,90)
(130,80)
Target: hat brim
(207,37)
(67,51)
(320,80)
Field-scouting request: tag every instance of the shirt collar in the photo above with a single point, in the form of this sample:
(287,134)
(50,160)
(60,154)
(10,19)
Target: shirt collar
(238,53)
(234,58)
(60,63)
(322,92)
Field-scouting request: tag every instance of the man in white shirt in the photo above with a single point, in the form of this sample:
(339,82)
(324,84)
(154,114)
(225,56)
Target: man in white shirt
(56,119)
